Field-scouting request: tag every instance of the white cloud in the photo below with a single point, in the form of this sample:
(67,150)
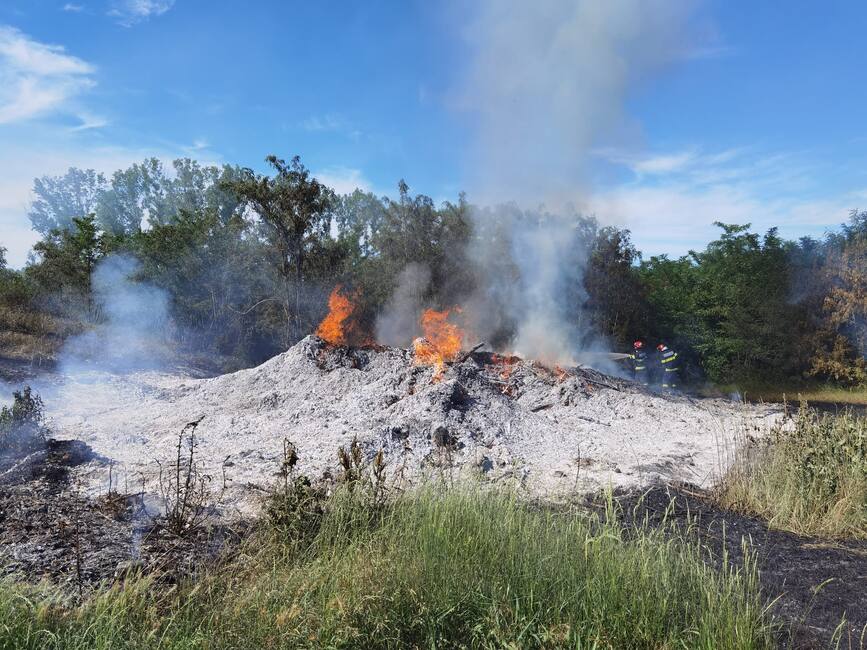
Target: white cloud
(343,180)
(90,121)
(73,8)
(330,123)
(674,198)
(130,12)
(36,78)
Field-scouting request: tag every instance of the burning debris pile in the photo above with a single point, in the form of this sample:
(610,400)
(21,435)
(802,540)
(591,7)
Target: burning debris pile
(436,411)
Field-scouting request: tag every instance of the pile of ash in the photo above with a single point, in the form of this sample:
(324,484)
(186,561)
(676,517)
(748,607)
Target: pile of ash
(551,432)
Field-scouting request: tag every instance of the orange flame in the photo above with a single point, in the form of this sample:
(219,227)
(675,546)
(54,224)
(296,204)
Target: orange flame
(441,342)
(507,363)
(332,328)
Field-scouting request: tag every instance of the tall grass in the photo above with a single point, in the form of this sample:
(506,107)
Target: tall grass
(809,478)
(432,569)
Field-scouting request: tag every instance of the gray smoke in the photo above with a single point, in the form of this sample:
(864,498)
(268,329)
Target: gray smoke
(133,323)
(397,325)
(548,83)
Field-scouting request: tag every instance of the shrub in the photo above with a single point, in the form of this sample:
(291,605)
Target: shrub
(22,426)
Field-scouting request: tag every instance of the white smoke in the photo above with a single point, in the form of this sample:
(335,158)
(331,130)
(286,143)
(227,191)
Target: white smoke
(133,322)
(529,267)
(548,83)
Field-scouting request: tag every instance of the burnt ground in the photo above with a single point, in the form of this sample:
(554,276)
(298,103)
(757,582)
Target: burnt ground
(17,371)
(791,567)
(48,530)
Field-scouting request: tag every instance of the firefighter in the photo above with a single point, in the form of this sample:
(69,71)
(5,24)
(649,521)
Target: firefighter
(638,361)
(668,366)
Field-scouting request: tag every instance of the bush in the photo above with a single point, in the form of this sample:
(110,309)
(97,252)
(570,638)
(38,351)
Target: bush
(810,478)
(21,425)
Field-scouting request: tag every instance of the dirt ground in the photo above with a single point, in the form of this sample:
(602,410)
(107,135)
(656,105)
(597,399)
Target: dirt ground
(792,568)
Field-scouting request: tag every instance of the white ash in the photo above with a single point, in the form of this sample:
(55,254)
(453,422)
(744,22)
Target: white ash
(552,436)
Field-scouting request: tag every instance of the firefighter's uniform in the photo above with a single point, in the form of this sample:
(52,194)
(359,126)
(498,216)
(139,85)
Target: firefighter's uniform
(669,366)
(638,359)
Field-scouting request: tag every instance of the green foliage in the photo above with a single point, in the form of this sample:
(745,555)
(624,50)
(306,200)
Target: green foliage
(59,200)
(810,477)
(619,309)
(66,259)
(14,290)
(294,209)
(435,569)
(730,304)
(214,271)
(747,309)
(21,425)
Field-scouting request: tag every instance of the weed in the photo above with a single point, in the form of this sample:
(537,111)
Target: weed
(294,509)
(184,488)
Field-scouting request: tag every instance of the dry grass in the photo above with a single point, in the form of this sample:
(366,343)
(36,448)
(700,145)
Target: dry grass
(809,477)
(33,336)
(810,393)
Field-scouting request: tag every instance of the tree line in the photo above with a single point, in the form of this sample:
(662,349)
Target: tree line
(248,259)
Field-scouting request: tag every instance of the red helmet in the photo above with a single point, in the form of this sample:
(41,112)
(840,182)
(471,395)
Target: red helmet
(660,347)
(638,345)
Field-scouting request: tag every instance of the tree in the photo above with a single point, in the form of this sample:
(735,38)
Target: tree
(617,306)
(59,199)
(841,343)
(64,261)
(293,207)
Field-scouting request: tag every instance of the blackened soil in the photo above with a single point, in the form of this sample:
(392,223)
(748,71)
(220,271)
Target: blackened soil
(16,371)
(49,530)
(815,582)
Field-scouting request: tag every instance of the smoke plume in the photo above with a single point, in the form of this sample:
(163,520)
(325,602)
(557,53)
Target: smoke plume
(549,82)
(133,322)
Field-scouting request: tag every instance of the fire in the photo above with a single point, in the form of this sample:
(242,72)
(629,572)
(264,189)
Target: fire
(506,362)
(332,328)
(441,342)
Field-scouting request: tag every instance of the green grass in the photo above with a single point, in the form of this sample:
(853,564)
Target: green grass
(810,477)
(458,569)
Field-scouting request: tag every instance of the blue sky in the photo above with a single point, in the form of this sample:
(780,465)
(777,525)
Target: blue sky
(658,116)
